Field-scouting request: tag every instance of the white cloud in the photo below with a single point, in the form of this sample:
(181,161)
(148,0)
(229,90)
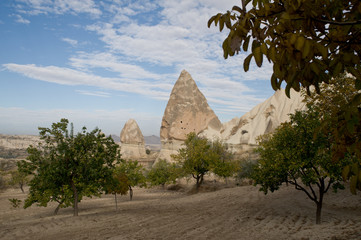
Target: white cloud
(67,76)
(72,42)
(20,19)
(93,93)
(36,7)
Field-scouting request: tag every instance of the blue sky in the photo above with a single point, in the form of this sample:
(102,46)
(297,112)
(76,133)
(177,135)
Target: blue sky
(99,63)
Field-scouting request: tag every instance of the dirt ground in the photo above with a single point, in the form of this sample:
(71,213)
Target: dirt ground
(228,213)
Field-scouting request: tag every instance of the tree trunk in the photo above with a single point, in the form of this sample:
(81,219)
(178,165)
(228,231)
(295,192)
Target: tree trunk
(116,202)
(319,205)
(57,209)
(318,212)
(200,183)
(197,183)
(130,193)
(21,187)
(75,194)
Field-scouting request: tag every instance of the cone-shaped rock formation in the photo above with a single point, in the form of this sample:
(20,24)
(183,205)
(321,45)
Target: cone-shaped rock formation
(132,141)
(187,111)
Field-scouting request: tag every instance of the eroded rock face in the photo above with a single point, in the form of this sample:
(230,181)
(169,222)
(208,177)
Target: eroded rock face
(131,133)
(187,111)
(262,119)
(132,141)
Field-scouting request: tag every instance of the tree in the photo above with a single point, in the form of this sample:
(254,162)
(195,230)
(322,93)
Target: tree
(163,172)
(19,178)
(298,154)
(222,164)
(118,183)
(334,97)
(195,158)
(66,167)
(133,171)
(308,43)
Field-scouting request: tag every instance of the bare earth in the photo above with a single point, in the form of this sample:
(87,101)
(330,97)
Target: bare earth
(228,213)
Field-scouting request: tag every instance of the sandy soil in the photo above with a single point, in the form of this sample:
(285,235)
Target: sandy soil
(228,213)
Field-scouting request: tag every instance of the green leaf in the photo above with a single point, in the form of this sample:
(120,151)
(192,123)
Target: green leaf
(258,56)
(272,53)
(323,50)
(211,20)
(345,172)
(306,49)
(293,39)
(246,43)
(288,89)
(264,48)
(299,43)
(274,82)
(246,62)
(225,47)
(221,23)
(236,8)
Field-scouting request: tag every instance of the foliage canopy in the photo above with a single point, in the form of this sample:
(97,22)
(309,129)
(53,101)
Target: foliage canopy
(163,172)
(308,42)
(133,172)
(298,154)
(67,167)
(199,156)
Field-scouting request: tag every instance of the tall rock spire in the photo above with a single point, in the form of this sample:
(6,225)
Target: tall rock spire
(187,111)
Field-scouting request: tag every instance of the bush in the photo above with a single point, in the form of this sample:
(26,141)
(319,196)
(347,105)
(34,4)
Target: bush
(246,169)
(15,203)
(163,173)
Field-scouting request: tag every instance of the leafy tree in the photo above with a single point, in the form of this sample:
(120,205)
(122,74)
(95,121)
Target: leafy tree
(118,183)
(19,178)
(300,155)
(222,163)
(309,43)
(333,98)
(163,172)
(133,171)
(67,167)
(195,158)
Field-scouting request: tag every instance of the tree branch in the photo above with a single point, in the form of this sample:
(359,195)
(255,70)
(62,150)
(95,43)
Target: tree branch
(299,187)
(336,23)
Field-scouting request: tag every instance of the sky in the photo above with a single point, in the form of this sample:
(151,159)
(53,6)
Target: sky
(100,63)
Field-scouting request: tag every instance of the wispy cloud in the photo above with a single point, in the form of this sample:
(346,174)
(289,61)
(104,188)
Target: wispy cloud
(36,7)
(93,93)
(70,41)
(20,19)
(67,76)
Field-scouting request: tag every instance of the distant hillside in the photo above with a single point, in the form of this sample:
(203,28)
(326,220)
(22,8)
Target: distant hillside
(152,139)
(116,138)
